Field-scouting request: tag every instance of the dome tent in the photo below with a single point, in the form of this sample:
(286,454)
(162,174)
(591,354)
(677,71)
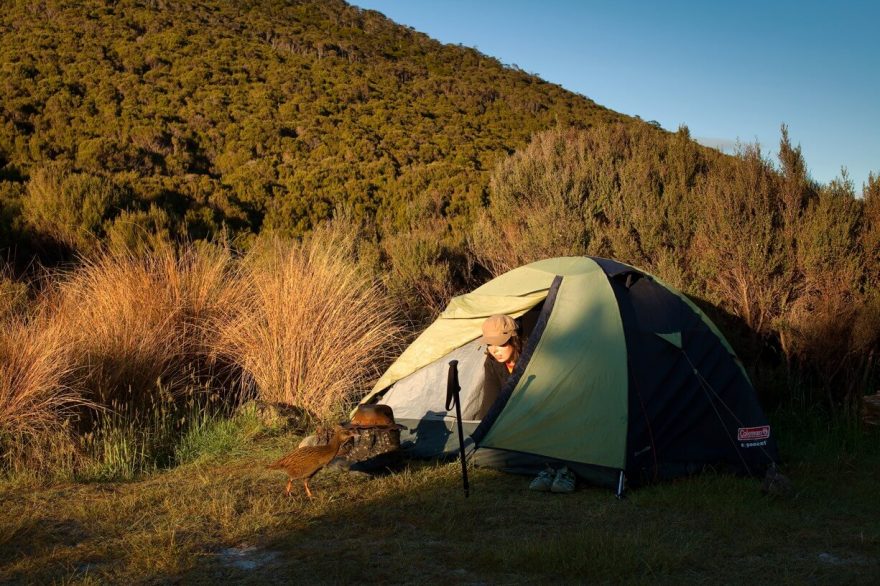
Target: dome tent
(620,376)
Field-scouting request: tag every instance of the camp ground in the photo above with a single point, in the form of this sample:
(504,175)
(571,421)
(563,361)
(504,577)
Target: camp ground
(622,378)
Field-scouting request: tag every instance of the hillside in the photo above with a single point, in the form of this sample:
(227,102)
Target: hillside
(190,116)
(138,122)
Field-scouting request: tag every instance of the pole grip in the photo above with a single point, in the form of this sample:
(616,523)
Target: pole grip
(452,386)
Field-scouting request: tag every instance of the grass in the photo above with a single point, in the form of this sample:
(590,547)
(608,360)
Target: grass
(221,517)
(134,319)
(129,441)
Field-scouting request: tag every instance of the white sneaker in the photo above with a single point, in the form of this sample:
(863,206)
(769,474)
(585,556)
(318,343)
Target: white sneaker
(544,480)
(564,481)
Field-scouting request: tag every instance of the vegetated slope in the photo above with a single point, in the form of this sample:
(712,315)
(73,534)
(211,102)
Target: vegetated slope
(196,115)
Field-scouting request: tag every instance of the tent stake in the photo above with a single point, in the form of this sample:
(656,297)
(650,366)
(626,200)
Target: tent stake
(452,389)
(621,486)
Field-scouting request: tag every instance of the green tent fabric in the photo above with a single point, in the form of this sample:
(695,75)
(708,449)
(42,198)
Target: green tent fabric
(576,381)
(583,347)
(513,293)
(673,338)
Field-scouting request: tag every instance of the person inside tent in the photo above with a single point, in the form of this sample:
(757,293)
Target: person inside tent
(503,349)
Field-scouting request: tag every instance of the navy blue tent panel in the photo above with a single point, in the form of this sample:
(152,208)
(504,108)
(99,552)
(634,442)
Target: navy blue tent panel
(690,404)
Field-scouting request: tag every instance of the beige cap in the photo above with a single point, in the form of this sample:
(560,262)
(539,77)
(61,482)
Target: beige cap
(497,330)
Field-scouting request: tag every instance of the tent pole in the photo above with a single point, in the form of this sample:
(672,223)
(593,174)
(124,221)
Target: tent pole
(452,389)
(621,486)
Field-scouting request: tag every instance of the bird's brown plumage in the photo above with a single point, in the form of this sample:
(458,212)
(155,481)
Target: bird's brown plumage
(303,463)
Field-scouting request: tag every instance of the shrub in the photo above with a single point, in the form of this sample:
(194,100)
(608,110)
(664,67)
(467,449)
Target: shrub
(537,203)
(139,231)
(614,191)
(423,274)
(11,195)
(795,265)
(13,296)
(738,247)
(69,207)
(827,302)
(870,236)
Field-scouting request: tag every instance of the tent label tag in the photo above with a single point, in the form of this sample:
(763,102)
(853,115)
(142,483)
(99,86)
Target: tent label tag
(753,433)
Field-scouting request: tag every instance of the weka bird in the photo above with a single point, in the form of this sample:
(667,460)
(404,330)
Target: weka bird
(304,462)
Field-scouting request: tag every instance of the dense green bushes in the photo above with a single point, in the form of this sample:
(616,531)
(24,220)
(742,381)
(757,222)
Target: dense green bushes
(793,262)
(72,208)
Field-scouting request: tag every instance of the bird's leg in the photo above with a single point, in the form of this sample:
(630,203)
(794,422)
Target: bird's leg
(306,484)
(289,482)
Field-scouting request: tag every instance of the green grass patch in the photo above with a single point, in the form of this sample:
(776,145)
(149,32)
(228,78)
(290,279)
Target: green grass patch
(128,442)
(217,436)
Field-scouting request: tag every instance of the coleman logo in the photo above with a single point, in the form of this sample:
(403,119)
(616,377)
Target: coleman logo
(753,433)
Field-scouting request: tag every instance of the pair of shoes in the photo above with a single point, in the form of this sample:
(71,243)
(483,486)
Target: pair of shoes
(544,481)
(564,481)
(550,480)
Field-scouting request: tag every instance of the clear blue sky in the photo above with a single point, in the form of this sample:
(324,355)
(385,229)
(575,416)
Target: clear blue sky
(730,71)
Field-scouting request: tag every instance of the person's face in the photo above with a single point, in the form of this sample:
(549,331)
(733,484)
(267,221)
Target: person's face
(501,353)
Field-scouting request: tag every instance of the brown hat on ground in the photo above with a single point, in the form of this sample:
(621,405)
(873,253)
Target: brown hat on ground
(498,329)
(373,416)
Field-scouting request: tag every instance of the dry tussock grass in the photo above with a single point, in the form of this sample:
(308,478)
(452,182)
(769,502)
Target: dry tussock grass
(301,323)
(315,328)
(35,402)
(138,321)
(110,334)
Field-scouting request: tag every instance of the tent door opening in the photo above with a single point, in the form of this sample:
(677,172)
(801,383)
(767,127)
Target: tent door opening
(418,400)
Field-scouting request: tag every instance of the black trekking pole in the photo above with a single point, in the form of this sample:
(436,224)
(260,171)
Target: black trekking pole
(452,388)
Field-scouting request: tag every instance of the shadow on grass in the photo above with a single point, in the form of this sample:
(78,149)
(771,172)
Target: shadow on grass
(226,520)
(418,527)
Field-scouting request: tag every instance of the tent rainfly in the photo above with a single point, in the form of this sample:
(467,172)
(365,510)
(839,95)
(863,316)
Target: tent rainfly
(622,378)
